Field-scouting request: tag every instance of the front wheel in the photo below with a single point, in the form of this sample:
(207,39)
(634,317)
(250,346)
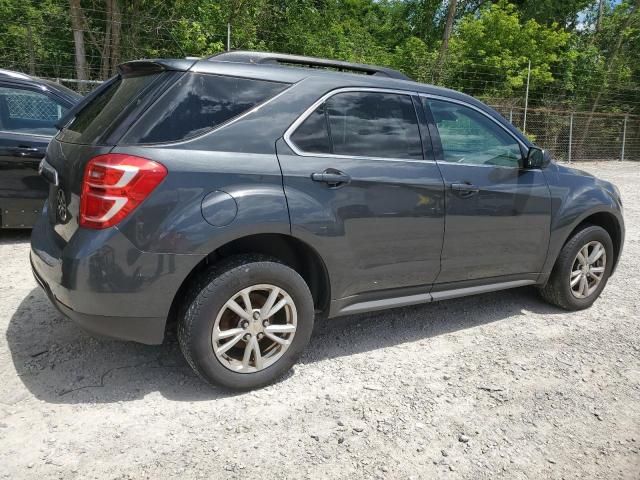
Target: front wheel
(581,270)
(247,322)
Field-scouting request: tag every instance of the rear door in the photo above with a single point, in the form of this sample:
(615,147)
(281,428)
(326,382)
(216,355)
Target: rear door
(27,124)
(361,192)
(497,212)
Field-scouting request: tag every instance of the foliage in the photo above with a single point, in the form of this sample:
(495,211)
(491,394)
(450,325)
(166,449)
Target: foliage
(572,64)
(498,40)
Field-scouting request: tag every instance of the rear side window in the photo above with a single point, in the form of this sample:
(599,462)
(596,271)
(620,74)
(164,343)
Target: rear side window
(95,118)
(313,134)
(364,124)
(28,112)
(197,103)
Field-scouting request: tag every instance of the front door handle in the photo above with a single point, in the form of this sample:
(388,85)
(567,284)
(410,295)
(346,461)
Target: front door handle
(333,178)
(464,190)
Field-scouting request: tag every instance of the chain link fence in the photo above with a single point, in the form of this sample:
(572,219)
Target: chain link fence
(569,136)
(25,105)
(579,136)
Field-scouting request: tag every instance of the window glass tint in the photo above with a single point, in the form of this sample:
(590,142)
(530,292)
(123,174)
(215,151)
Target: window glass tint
(374,124)
(197,103)
(25,111)
(313,135)
(94,119)
(468,136)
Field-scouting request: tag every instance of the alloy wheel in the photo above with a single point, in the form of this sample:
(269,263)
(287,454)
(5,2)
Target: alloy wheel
(254,328)
(588,269)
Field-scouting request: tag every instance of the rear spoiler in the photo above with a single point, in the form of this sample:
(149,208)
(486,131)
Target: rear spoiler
(142,67)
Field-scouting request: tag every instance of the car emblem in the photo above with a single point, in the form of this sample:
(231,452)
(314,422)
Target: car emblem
(61,208)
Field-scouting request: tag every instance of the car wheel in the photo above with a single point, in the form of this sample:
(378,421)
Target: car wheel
(246,322)
(581,270)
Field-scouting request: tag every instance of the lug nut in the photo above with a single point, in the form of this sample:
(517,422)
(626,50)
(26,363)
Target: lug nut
(244,324)
(265,323)
(260,336)
(247,337)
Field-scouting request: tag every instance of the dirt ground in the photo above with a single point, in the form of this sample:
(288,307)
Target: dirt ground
(493,386)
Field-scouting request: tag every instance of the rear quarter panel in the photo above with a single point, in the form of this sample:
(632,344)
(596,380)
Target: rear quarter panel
(171,219)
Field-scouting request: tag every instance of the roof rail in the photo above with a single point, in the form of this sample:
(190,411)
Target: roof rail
(300,60)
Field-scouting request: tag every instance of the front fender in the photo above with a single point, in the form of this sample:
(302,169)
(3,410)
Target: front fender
(576,196)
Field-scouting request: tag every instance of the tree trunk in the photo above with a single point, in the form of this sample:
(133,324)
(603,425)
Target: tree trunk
(448,27)
(32,56)
(105,63)
(603,85)
(77,15)
(600,12)
(116,36)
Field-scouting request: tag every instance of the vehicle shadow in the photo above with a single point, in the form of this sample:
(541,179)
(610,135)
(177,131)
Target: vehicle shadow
(59,363)
(13,236)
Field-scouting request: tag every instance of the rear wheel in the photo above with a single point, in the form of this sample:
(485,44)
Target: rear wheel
(247,322)
(581,270)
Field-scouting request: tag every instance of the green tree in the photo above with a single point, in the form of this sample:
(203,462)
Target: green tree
(490,53)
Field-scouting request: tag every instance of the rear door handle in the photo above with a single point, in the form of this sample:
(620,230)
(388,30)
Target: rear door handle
(24,151)
(333,178)
(464,189)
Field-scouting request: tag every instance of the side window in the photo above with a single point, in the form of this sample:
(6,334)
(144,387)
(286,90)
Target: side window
(313,134)
(199,102)
(374,124)
(28,112)
(365,124)
(467,136)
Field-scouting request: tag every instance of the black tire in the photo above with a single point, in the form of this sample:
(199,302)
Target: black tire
(558,291)
(209,295)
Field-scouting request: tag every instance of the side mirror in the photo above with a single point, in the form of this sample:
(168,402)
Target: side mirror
(536,158)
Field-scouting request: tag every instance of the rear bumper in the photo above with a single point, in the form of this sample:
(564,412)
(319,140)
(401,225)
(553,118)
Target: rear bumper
(102,282)
(149,330)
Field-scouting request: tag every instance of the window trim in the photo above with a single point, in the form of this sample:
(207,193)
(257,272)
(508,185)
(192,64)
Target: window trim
(301,119)
(482,112)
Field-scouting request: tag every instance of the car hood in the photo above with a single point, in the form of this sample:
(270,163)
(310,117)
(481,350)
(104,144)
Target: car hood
(565,170)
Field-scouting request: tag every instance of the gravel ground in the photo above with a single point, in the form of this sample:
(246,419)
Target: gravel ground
(493,386)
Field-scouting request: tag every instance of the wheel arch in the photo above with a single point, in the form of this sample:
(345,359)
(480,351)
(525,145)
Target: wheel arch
(291,251)
(610,223)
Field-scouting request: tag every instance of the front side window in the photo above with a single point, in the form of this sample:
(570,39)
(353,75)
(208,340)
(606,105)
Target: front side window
(363,124)
(28,112)
(469,137)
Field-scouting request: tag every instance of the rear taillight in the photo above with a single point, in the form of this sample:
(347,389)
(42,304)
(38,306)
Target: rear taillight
(114,185)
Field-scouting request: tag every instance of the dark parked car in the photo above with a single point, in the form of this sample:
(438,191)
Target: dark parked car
(29,110)
(245,195)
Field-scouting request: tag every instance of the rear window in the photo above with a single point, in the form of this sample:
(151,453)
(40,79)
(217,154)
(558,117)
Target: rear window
(98,116)
(197,103)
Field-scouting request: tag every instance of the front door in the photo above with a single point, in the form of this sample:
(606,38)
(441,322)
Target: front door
(27,121)
(497,212)
(361,193)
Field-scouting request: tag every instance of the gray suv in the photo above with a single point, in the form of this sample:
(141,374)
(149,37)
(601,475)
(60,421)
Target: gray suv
(245,195)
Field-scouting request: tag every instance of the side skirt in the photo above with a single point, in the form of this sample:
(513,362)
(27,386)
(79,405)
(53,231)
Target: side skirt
(355,304)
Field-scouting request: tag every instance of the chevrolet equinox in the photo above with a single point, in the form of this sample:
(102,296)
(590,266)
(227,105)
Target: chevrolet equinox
(242,196)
